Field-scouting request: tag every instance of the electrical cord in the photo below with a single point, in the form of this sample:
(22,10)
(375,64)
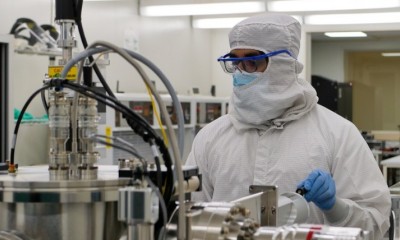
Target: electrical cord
(78,20)
(163,207)
(46,107)
(155,69)
(101,97)
(126,149)
(171,91)
(58,85)
(178,167)
(158,165)
(99,75)
(149,84)
(18,123)
(128,112)
(80,57)
(178,108)
(122,141)
(108,90)
(178,162)
(95,67)
(169,183)
(157,116)
(90,51)
(79,77)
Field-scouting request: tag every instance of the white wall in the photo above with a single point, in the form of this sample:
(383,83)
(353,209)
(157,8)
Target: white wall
(167,42)
(328,56)
(219,47)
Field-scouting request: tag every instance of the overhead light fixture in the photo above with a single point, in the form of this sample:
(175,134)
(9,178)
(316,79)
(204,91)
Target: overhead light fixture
(209,23)
(345,34)
(201,8)
(318,5)
(101,0)
(355,18)
(222,22)
(391,54)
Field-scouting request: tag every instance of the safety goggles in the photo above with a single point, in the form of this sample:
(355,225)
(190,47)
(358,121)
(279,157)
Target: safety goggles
(247,64)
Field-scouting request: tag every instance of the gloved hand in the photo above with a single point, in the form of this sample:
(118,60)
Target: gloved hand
(320,189)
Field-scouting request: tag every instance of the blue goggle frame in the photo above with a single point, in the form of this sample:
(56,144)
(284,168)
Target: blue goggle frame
(230,65)
(266,55)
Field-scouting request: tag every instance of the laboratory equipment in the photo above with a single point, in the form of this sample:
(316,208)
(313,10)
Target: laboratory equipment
(240,219)
(34,38)
(42,208)
(334,95)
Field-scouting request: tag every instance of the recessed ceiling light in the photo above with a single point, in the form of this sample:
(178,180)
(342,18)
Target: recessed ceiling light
(318,5)
(222,22)
(201,8)
(391,54)
(354,18)
(345,34)
(208,23)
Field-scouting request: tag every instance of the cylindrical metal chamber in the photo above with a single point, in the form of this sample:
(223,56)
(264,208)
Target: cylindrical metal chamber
(40,208)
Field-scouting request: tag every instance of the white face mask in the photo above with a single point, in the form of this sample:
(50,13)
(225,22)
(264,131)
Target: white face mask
(272,94)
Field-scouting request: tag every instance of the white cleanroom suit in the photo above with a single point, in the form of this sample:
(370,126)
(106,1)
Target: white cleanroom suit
(276,134)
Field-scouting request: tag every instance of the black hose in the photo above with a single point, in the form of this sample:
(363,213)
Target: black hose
(101,97)
(158,167)
(78,20)
(18,123)
(138,124)
(46,107)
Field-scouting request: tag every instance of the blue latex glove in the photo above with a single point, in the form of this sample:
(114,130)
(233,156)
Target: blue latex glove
(320,189)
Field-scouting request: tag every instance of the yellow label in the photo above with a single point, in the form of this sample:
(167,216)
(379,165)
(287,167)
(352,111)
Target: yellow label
(55,72)
(108,134)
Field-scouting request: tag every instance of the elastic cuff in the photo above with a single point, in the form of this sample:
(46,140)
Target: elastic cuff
(338,212)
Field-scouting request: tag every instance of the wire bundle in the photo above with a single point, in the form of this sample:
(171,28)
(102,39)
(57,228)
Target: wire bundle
(135,121)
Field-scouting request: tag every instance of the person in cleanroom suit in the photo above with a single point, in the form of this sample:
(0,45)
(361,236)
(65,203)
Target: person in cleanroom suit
(276,134)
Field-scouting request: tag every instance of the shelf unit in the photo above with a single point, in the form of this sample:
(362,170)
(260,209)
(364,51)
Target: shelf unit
(197,110)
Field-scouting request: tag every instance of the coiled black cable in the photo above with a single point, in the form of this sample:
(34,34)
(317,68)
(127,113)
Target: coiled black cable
(78,10)
(147,134)
(19,120)
(140,126)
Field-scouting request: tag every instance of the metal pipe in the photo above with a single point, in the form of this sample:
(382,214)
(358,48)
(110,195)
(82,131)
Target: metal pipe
(141,231)
(66,40)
